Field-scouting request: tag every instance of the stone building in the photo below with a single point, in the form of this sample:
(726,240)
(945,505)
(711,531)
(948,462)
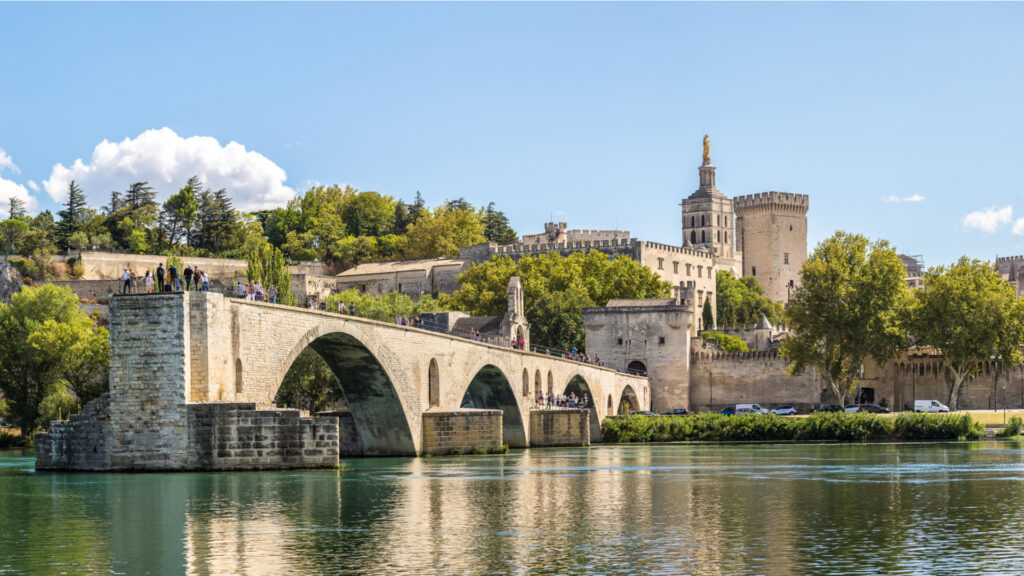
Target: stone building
(411,277)
(1011,268)
(771,229)
(558,233)
(709,221)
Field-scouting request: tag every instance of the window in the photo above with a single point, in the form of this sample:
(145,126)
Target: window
(693,237)
(785,258)
(719,235)
(691,222)
(703,238)
(700,271)
(753,270)
(702,220)
(688,271)
(790,227)
(675,267)
(661,339)
(661,263)
(719,219)
(726,236)
(620,341)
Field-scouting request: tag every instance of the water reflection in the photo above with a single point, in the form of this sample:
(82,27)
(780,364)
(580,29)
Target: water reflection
(698,509)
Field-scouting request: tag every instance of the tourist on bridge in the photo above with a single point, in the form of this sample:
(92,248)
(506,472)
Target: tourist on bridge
(148,282)
(127,277)
(160,278)
(272,294)
(188,273)
(206,282)
(172,272)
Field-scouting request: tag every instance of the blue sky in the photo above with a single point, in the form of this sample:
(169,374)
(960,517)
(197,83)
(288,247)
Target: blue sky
(588,113)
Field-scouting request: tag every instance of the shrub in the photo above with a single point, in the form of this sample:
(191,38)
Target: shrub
(1011,429)
(821,426)
(725,342)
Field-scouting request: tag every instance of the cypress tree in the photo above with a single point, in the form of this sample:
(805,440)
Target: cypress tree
(71,216)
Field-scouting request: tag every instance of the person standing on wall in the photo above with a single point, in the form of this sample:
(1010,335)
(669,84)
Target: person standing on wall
(160,277)
(188,277)
(127,278)
(172,272)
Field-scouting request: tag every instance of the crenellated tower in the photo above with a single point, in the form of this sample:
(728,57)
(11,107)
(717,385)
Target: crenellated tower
(771,232)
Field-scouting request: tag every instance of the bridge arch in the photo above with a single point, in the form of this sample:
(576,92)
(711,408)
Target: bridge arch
(578,385)
(381,416)
(628,401)
(490,389)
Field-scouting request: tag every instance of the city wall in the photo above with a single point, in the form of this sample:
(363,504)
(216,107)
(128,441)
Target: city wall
(106,265)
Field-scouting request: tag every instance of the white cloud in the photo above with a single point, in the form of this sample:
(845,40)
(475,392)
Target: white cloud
(33,186)
(1018,227)
(7,163)
(895,198)
(166,161)
(989,220)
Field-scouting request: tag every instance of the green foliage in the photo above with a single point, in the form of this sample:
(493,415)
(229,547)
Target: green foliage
(821,426)
(267,266)
(1011,429)
(556,288)
(742,301)
(57,406)
(385,307)
(72,217)
(16,208)
(309,384)
(496,226)
(444,231)
(707,316)
(725,342)
(970,315)
(44,334)
(850,304)
(179,215)
(369,214)
(12,231)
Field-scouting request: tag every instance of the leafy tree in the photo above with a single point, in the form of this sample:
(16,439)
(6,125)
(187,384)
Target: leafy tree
(12,231)
(850,304)
(83,353)
(17,208)
(72,216)
(309,384)
(556,289)
(496,226)
(742,301)
(725,342)
(267,266)
(216,221)
(179,214)
(707,316)
(369,214)
(970,315)
(385,307)
(443,232)
(31,367)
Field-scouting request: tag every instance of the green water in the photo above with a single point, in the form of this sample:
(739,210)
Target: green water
(680,509)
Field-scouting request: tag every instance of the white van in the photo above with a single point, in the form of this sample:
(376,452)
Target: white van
(930,406)
(750,409)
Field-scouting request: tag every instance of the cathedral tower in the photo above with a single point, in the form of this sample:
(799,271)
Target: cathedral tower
(708,219)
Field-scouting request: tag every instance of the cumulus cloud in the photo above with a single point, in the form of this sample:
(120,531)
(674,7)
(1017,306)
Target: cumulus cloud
(1018,227)
(989,220)
(166,161)
(895,198)
(7,164)
(33,186)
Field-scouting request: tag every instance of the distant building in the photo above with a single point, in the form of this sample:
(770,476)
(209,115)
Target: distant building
(411,277)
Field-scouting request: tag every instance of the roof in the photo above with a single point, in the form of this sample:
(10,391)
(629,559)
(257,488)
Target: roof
(402,266)
(764,324)
(483,324)
(640,302)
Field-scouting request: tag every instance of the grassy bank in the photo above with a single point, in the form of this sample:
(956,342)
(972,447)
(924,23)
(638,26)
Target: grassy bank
(838,426)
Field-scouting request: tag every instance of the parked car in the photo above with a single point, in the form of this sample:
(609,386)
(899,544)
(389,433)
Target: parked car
(730,411)
(750,409)
(872,408)
(678,412)
(930,406)
(829,408)
(785,411)
(643,413)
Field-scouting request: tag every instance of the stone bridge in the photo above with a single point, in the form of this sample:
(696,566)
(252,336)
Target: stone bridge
(170,352)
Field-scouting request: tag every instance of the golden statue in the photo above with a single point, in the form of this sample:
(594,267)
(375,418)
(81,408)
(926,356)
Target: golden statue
(707,150)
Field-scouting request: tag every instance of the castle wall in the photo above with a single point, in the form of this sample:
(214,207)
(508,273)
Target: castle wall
(304,286)
(657,336)
(771,230)
(681,265)
(106,265)
(721,379)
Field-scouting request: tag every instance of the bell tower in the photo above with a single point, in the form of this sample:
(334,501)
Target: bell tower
(708,219)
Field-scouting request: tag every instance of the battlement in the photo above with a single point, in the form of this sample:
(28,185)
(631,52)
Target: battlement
(771,200)
(705,356)
(676,249)
(558,233)
(1009,259)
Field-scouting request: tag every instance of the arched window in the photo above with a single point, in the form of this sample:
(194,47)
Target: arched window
(693,237)
(703,238)
(702,220)
(637,367)
(526,383)
(538,385)
(691,222)
(719,235)
(433,384)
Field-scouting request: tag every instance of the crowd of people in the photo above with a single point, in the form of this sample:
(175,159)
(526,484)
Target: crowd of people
(254,291)
(550,400)
(165,280)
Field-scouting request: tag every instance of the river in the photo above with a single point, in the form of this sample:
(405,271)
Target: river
(953,508)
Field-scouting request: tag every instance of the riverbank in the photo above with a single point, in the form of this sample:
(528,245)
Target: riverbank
(835,427)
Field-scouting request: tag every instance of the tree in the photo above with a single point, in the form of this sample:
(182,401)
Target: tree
(83,353)
(12,231)
(969,314)
(267,266)
(72,216)
(178,215)
(850,304)
(497,228)
(36,328)
(443,232)
(17,208)
(556,288)
(707,316)
(742,301)
(309,384)
(369,214)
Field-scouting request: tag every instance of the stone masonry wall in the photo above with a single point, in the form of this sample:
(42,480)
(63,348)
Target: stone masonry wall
(80,443)
(560,427)
(149,381)
(721,379)
(461,430)
(236,436)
